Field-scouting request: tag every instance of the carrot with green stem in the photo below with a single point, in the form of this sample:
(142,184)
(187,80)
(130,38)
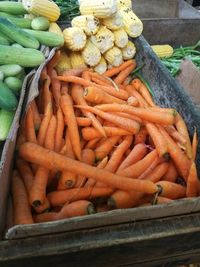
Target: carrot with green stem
(59,130)
(115,70)
(29,126)
(193,183)
(171,190)
(104,148)
(52,160)
(125,73)
(194,144)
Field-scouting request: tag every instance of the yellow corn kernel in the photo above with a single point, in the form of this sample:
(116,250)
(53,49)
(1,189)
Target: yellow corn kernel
(114,22)
(131,23)
(121,38)
(63,63)
(100,8)
(163,50)
(88,23)
(104,39)
(114,56)
(75,38)
(126,3)
(77,60)
(91,54)
(101,67)
(53,27)
(129,51)
(45,8)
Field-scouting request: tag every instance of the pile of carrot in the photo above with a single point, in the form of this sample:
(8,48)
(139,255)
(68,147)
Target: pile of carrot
(91,143)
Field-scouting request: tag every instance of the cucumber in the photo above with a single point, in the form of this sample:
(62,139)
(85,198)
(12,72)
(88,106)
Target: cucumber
(11,69)
(40,24)
(1,76)
(13,8)
(17,45)
(47,38)
(21,75)
(19,22)
(15,84)
(6,37)
(8,100)
(6,119)
(3,41)
(6,15)
(25,57)
(18,35)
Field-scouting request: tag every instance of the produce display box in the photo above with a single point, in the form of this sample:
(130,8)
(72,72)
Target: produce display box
(167,94)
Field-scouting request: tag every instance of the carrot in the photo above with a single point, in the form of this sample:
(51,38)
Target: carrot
(194,144)
(53,62)
(59,130)
(55,87)
(9,222)
(76,208)
(52,160)
(182,129)
(175,134)
(115,70)
(46,217)
(36,115)
(86,75)
(83,122)
(181,161)
(77,95)
(192,182)
(122,199)
(29,127)
(64,89)
(158,139)
(104,80)
(132,101)
(51,132)
(157,173)
(171,190)
(139,167)
(74,72)
(102,208)
(104,148)
(167,118)
(26,173)
(129,125)
(90,133)
(133,92)
(125,73)
(127,116)
(151,167)
(141,136)
(44,124)
(43,74)
(20,140)
(47,97)
(92,143)
(162,200)
(68,110)
(97,96)
(21,207)
(171,174)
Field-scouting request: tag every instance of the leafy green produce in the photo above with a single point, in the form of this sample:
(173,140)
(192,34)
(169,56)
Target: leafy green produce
(69,9)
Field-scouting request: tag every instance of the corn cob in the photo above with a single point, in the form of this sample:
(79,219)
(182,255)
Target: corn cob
(91,54)
(63,63)
(114,56)
(77,60)
(162,51)
(129,51)
(104,39)
(114,22)
(126,3)
(121,38)
(100,8)
(55,28)
(88,23)
(45,8)
(101,67)
(131,23)
(75,38)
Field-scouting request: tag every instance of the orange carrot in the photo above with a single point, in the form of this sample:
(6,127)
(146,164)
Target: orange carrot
(30,129)
(46,217)
(47,97)
(192,182)
(175,134)
(132,101)
(21,207)
(86,75)
(74,72)
(77,95)
(51,132)
(64,89)
(115,70)
(68,110)
(125,73)
(122,199)
(162,200)
(26,173)
(96,76)
(83,122)
(143,113)
(59,130)
(43,74)
(55,87)
(171,174)
(92,143)
(194,144)
(141,136)
(103,149)
(129,125)
(53,62)
(171,190)
(52,160)
(157,173)
(151,167)
(128,116)
(36,115)
(133,92)
(90,133)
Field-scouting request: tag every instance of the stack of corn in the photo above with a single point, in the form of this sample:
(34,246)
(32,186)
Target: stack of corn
(98,38)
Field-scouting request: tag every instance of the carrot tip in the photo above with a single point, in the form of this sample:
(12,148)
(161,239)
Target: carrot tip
(69,183)
(91,209)
(36,203)
(166,156)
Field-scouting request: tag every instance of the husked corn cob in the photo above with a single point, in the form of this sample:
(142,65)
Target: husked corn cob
(63,63)
(100,8)
(121,38)
(53,27)
(75,38)
(163,50)
(114,56)
(91,54)
(88,23)
(129,51)
(126,3)
(45,8)
(102,66)
(114,22)
(77,60)
(131,23)
(104,39)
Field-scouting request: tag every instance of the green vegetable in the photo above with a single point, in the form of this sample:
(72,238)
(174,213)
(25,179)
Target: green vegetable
(8,100)
(40,24)
(6,119)
(15,84)
(3,41)
(11,7)
(17,45)
(6,37)
(25,57)
(10,69)
(1,76)
(18,35)
(69,9)
(19,22)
